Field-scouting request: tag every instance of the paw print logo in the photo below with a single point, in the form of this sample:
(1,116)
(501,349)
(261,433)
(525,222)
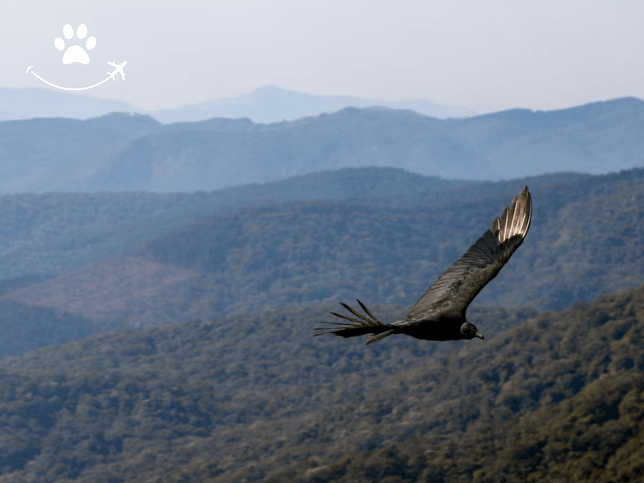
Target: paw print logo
(75,53)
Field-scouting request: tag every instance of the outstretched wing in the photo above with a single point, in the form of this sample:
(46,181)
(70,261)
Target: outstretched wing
(451,294)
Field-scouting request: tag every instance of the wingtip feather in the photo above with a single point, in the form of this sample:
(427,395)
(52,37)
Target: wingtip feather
(515,219)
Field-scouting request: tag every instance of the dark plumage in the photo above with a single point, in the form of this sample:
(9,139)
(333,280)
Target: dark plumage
(440,313)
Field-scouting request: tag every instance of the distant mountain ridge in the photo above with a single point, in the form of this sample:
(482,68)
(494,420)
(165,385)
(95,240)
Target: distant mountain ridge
(130,152)
(20,104)
(266,104)
(271,104)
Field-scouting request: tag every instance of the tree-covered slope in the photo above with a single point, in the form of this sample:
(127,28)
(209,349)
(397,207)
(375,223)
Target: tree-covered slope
(585,241)
(49,234)
(255,397)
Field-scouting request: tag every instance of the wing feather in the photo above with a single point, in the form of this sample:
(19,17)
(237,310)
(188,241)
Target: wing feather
(452,293)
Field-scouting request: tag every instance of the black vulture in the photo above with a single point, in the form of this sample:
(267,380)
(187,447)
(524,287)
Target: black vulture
(440,313)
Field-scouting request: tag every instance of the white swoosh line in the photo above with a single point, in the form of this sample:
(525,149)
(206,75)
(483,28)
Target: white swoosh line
(68,88)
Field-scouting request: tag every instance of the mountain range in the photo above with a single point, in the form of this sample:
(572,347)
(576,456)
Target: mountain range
(160,280)
(151,336)
(128,152)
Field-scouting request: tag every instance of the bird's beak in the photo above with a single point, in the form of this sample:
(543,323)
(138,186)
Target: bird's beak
(480,336)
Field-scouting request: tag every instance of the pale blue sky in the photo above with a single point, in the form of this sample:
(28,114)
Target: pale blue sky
(487,55)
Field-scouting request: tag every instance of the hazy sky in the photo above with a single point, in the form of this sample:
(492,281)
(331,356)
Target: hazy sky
(488,55)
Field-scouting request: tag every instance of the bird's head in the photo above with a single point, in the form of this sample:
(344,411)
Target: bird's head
(470,331)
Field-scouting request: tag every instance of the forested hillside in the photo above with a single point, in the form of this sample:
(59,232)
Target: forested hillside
(257,254)
(49,234)
(272,256)
(255,398)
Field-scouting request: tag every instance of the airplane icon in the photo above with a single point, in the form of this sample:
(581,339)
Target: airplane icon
(118,69)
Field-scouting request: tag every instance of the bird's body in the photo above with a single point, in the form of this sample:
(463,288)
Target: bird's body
(441,329)
(440,313)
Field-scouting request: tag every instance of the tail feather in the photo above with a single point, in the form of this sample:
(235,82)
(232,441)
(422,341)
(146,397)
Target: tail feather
(377,337)
(362,325)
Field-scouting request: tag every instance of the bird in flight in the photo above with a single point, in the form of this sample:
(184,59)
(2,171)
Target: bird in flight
(440,313)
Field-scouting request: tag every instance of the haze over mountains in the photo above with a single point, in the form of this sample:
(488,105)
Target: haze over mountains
(272,104)
(21,104)
(266,104)
(121,152)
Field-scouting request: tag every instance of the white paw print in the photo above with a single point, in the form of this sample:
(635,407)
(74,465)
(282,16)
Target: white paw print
(75,53)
